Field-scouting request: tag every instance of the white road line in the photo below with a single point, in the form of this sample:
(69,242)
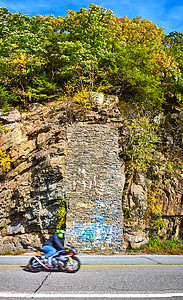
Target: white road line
(79,296)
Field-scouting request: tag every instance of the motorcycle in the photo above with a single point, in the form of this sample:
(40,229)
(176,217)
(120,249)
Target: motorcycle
(62,260)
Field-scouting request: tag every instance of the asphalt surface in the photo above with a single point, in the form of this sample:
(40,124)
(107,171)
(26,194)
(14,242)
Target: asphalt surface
(106,260)
(100,277)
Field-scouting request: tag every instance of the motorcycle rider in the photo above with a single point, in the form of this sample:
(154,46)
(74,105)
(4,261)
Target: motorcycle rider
(54,244)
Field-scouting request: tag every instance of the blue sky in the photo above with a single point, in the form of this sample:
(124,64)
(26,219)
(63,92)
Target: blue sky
(164,13)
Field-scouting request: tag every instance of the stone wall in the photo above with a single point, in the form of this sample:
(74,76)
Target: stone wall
(93,186)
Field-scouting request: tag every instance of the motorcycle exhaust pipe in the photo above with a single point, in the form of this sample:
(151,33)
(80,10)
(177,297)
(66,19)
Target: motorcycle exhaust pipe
(40,262)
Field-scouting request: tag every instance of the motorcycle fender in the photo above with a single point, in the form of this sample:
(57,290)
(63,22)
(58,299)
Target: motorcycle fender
(68,255)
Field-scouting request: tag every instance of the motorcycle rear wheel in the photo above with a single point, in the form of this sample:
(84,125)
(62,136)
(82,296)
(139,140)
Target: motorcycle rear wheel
(72,265)
(33,265)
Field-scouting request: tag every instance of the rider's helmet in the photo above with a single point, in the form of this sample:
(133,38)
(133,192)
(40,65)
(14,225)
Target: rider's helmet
(60,233)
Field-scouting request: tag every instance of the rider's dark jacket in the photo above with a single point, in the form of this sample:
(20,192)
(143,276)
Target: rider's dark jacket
(55,242)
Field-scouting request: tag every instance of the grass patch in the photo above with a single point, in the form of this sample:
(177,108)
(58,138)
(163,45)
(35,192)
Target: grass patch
(11,252)
(157,246)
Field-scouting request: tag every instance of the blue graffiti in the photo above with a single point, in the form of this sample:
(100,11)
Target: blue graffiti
(86,234)
(101,227)
(97,231)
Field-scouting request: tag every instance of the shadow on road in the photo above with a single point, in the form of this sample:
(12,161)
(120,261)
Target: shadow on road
(26,269)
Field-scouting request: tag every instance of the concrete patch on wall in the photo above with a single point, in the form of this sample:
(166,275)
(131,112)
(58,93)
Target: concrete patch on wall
(93,185)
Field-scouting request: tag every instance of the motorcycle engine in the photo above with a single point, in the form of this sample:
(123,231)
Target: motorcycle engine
(54,261)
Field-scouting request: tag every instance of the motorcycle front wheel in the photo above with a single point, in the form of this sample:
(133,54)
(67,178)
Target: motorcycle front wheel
(33,265)
(72,265)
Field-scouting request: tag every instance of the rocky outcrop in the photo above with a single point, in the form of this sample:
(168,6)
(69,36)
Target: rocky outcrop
(168,200)
(42,175)
(31,192)
(136,239)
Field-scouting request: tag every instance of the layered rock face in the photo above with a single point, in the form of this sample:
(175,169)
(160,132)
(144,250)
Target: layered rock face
(30,193)
(59,154)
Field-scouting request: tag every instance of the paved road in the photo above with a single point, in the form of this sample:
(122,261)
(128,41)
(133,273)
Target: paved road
(107,260)
(100,277)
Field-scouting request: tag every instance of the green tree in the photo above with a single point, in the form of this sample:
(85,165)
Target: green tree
(128,55)
(25,71)
(91,47)
(143,71)
(174,46)
(142,143)
(85,46)
(17,71)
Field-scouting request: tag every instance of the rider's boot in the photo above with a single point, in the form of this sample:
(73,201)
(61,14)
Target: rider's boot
(44,260)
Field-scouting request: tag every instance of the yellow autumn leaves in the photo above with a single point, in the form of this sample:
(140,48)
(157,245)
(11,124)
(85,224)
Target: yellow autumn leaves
(5,162)
(5,159)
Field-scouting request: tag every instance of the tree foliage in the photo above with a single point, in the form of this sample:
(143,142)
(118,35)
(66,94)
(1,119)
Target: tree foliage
(5,159)
(90,48)
(174,46)
(5,162)
(142,143)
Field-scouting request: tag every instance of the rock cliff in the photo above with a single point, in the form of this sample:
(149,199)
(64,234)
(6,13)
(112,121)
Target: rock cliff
(41,143)
(36,141)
